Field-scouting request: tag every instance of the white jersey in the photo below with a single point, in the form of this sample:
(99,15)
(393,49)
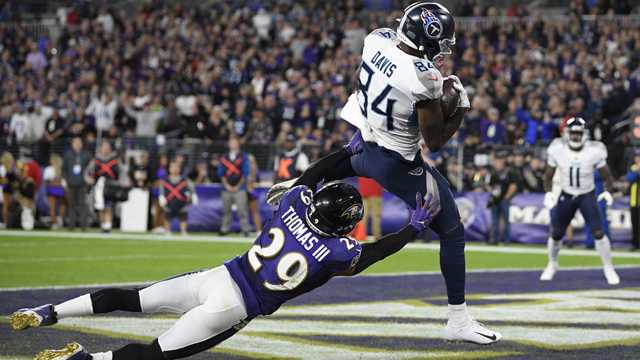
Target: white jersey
(391,82)
(574,169)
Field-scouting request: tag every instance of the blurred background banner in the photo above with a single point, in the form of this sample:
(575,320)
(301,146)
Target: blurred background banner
(528,218)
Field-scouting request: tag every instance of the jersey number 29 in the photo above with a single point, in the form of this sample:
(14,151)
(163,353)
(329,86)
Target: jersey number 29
(367,72)
(291,269)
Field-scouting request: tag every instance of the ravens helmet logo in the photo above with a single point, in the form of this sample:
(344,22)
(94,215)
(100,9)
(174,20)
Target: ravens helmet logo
(353,212)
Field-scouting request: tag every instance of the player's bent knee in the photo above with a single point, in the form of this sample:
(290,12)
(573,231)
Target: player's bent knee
(112,299)
(598,234)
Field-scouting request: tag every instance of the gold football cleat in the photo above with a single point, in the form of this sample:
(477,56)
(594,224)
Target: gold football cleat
(21,320)
(62,354)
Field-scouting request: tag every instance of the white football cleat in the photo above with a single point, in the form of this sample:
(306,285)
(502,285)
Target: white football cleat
(549,271)
(611,275)
(473,332)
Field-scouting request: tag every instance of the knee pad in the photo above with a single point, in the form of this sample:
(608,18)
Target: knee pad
(108,300)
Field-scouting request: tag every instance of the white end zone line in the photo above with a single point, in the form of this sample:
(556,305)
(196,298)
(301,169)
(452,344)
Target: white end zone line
(409,273)
(246,240)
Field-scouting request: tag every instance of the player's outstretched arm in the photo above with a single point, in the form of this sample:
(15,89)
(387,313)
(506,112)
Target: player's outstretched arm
(392,243)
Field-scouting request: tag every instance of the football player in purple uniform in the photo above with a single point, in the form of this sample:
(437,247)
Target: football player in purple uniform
(303,246)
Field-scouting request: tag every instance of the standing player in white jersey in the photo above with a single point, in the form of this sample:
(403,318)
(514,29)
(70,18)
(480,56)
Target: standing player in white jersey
(398,103)
(574,159)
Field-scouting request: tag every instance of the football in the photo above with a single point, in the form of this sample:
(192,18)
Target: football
(449,99)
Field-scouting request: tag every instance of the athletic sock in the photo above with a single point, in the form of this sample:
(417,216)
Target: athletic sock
(107,225)
(102,356)
(553,247)
(458,315)
(603,246)
(75,307)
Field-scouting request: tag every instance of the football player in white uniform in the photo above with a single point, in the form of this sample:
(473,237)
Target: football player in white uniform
(398,103)
(574,159)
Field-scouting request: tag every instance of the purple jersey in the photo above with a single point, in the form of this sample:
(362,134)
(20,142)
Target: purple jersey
(289,259)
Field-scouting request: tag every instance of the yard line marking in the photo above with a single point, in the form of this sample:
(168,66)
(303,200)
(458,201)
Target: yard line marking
(409,273)
(247,240)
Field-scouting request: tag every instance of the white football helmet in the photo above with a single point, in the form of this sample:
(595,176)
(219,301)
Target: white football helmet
(576,133)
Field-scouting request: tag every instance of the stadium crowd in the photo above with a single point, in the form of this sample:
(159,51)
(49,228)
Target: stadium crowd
(274,75)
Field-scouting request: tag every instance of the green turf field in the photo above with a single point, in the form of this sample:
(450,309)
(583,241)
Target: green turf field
(46,260)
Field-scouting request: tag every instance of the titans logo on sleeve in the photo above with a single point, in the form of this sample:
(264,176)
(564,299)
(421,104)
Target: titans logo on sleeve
(289,258)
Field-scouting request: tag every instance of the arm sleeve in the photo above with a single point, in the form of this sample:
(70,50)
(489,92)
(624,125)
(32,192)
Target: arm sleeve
(385,246)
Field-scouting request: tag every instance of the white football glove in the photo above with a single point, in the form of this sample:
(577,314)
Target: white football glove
(606,196)
(162,201)
(550,200)
(463,100)
(194,198)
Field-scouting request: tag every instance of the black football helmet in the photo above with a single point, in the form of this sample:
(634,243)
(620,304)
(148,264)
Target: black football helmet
(335,210)
(429,28)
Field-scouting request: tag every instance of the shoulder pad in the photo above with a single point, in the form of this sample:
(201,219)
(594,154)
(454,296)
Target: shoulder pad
(386,33)
(381,35)
(557,142)
(598,145)
(429,78)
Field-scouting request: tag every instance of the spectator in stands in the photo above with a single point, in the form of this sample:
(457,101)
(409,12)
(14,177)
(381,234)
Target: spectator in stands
(147,117)
(260,130)
(176,192)
(74,167)
(291,161)
(633,180)
(241,119)
(199,174)
(532,174)
(103,109)
(53,132)
(103,173)
(234,170)
(217,128)
(492,131)
(503,186)
(53,179)
(19,126)
(140,171)
(371,193)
